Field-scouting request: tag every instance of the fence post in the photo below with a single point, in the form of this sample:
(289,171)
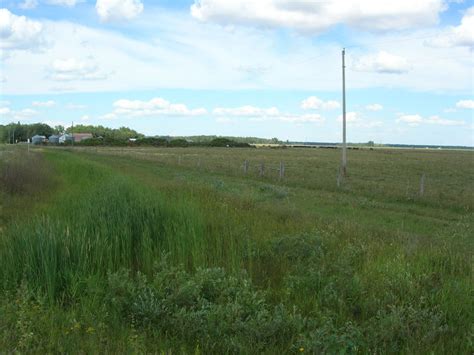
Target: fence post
(282,170)
(246,167)
(262,169)
(422,184)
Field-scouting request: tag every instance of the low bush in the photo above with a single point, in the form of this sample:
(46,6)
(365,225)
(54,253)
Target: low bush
(222,313)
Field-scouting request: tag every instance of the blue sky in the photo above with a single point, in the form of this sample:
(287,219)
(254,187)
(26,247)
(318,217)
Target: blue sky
(268,68)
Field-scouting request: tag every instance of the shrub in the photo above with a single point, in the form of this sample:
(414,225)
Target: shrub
(222,313)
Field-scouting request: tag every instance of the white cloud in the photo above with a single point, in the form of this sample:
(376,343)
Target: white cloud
(374,107)
(68,3)
(315,103)
(351,117)
(28,4)
(469,104)
(4,111)
(26,113)
(49,103)
(19,32)
(116,10)
(416,120)
(259,114)
(246,111)
(411,120)
(354,119)
(72,69)
(317,16)
(154,107)
(306,118)
(382,62)
(85,118)
(462,35)
(191,55)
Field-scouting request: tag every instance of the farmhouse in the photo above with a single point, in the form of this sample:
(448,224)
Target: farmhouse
(79,137)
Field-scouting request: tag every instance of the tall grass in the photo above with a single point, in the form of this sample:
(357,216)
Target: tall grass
(150,258)
(102,227)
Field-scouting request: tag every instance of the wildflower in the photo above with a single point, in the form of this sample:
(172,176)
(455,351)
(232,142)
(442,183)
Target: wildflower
(301,349)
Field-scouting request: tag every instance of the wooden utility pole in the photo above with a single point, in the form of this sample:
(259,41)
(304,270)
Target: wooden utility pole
(344,144)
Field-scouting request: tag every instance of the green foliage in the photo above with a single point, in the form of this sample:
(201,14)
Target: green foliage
(220,312)
(16,132)
(119,134)
(253,265)
(151,141)
(178,143)
(225,142)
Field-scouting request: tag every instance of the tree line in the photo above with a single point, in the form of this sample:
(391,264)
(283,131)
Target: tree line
(18,132)
(123,136)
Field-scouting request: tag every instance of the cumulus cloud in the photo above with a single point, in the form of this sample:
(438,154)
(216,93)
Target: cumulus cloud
(382,62)
(354,119)
(117,10)
(68,3)
(49,103)
(28,4)
(258,114)
(462,35)
(17,115)
(246,111)
(70,69)
(317,16)
(469,104)
(154,107)
(19,32)
(374,107)
(416,120)
(315,103)
(411,120)
(4,111)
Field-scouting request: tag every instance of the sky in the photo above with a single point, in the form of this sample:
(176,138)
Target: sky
(265,68)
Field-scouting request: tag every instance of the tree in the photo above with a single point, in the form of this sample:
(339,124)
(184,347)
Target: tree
(59,129)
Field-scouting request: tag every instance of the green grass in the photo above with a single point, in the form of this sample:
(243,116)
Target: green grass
(138,250)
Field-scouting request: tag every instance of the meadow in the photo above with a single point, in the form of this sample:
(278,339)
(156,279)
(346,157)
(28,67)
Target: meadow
(179,250)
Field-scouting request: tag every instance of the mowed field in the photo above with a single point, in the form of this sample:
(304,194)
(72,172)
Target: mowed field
(180,250)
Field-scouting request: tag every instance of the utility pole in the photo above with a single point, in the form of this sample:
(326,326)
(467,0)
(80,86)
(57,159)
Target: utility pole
(344,144)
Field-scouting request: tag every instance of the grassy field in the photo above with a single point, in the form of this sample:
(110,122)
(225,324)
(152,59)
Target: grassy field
(177,250)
